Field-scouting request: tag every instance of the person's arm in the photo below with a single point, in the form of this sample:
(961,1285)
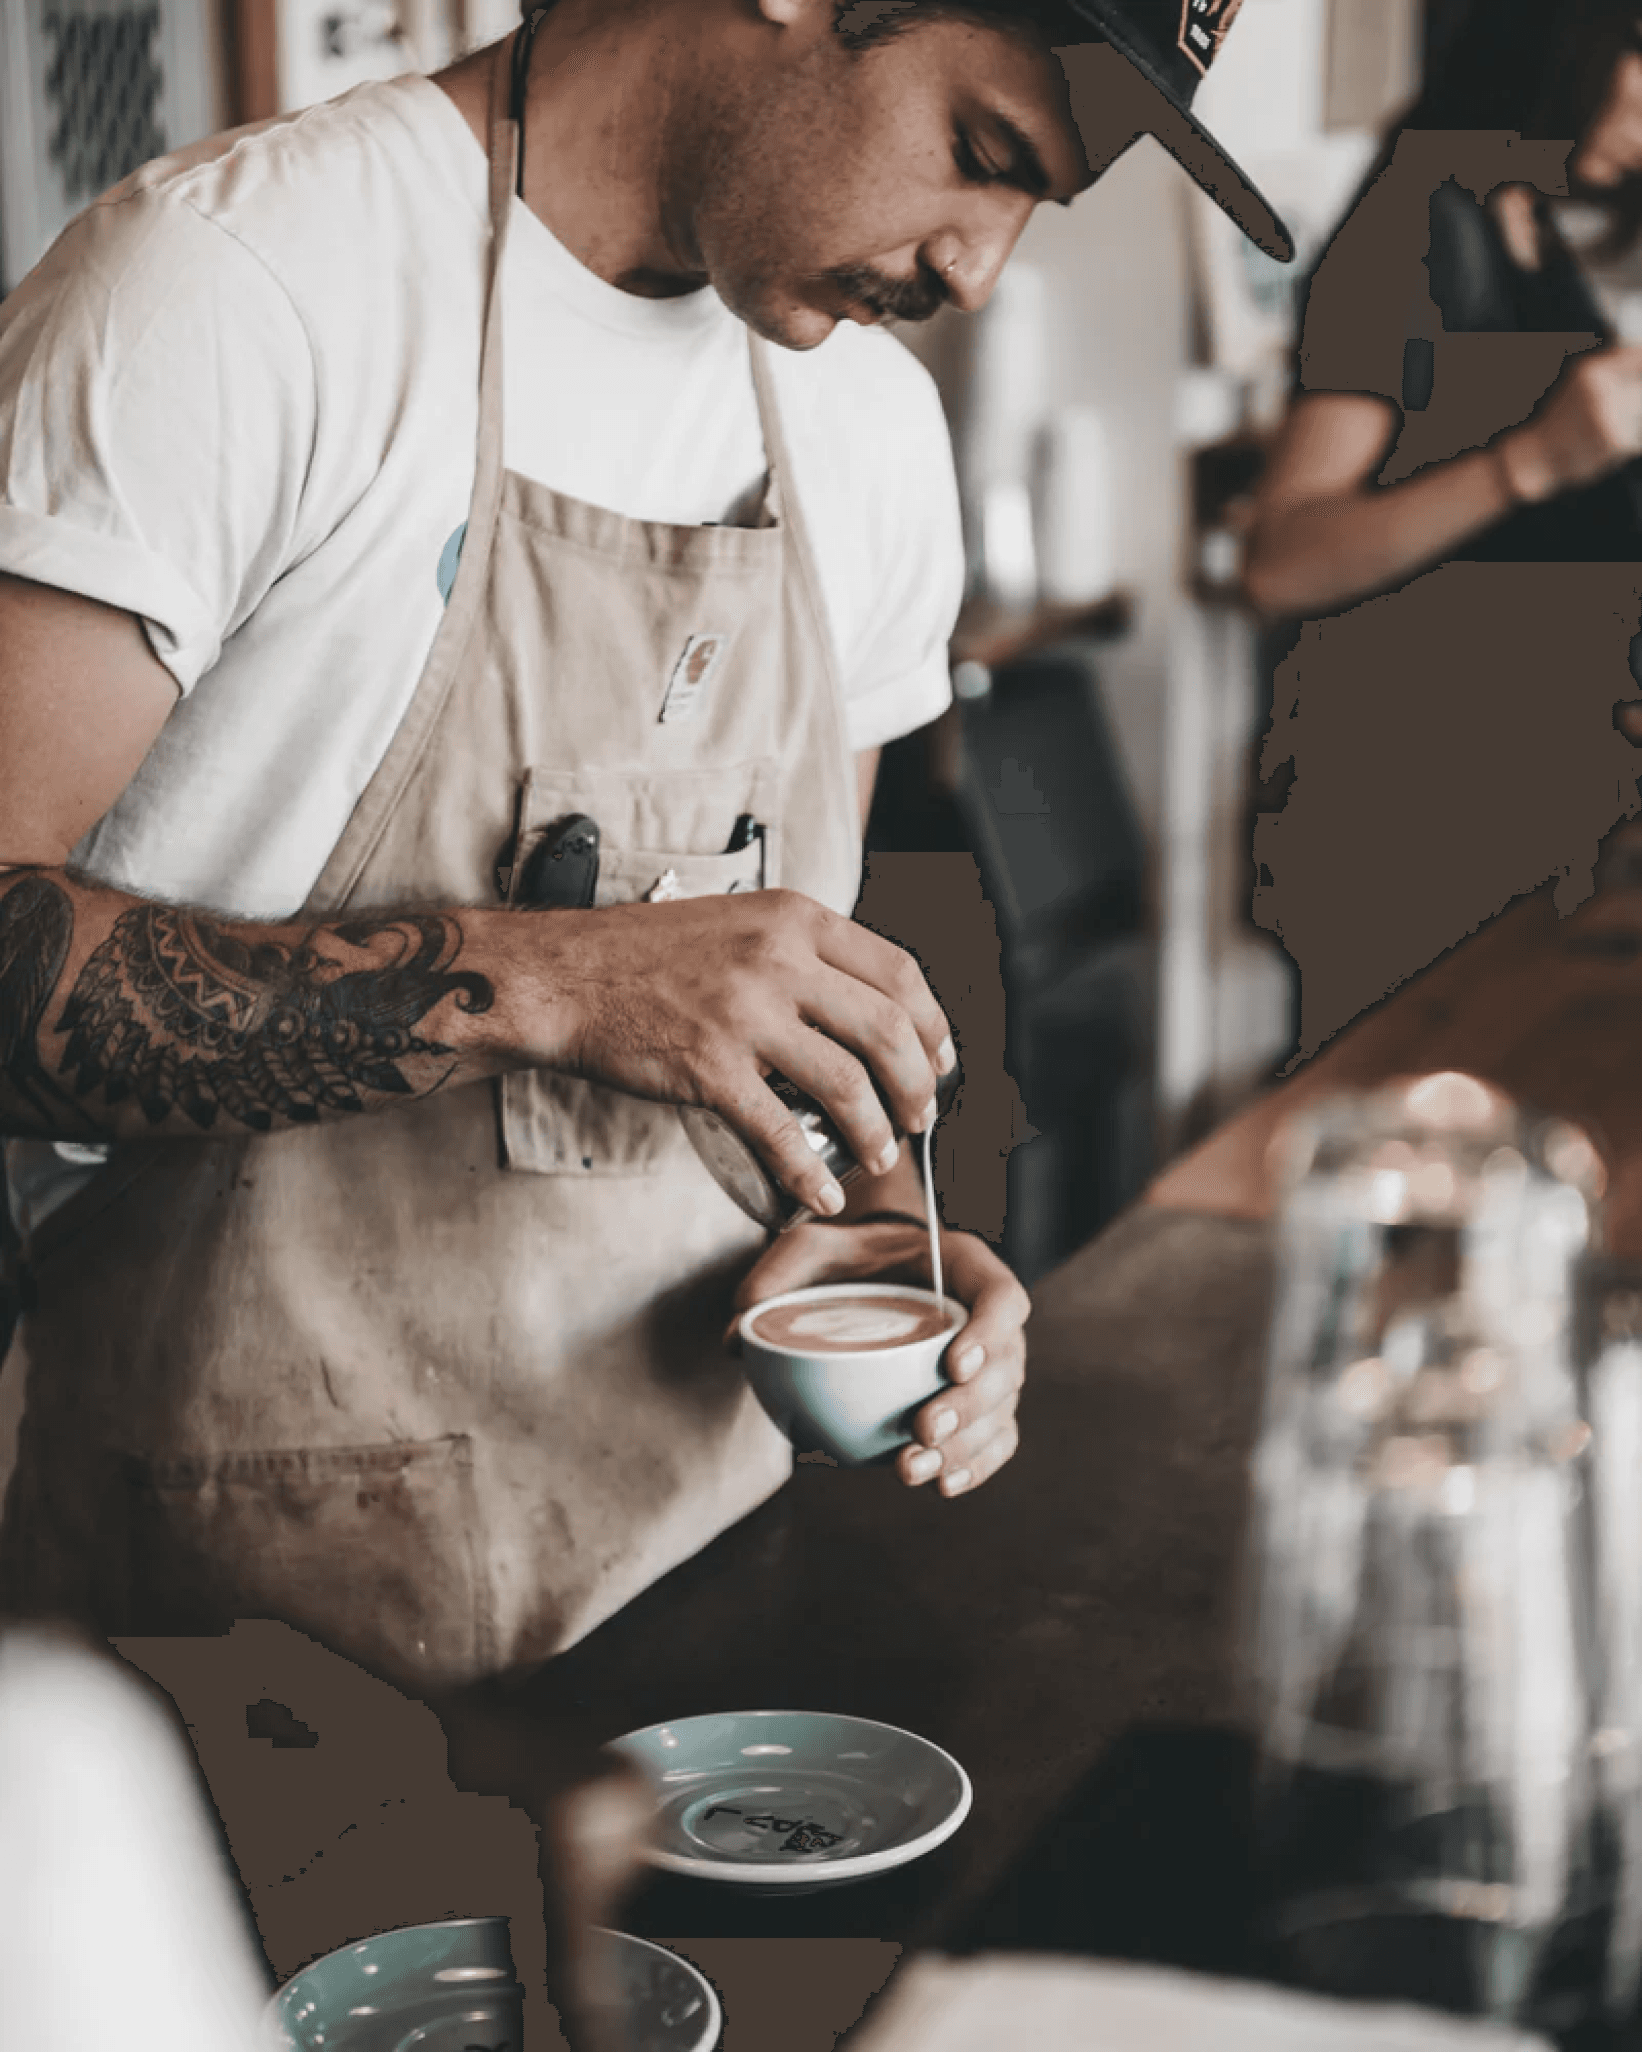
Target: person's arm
(1324,535)
(866,781)
(123,1017)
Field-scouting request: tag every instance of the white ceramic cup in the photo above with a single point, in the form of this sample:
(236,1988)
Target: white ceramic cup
(856,1406)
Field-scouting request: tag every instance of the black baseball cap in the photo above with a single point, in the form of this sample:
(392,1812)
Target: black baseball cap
(1172,44)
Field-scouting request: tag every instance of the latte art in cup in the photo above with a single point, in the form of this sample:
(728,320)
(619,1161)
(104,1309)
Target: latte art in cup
(842,1368)
(851,1325)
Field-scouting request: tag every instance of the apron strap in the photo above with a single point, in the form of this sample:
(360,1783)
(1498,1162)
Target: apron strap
(524,42)
(348,859)
(781,501)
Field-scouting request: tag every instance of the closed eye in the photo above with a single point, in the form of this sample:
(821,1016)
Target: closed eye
(1024,170)
(970,165)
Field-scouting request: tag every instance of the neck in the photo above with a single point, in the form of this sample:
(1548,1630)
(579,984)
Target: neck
(609,82)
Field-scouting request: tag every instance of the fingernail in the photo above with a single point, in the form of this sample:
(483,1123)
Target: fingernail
(946,1423)
(831,1199)
(887,1160)
(969,1360)
(946,1056)
(923,1465)
(951,1484)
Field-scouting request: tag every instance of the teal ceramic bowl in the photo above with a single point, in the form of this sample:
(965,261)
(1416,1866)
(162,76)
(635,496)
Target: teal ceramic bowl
(430,1988)
(667,2005)
(452,1988)
(794,1800)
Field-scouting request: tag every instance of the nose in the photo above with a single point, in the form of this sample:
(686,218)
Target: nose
(970,264)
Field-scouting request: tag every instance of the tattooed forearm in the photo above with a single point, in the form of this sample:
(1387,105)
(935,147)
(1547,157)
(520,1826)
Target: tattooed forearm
(189,1021)
(36,926)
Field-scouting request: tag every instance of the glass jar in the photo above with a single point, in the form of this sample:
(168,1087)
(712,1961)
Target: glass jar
(1420,1634)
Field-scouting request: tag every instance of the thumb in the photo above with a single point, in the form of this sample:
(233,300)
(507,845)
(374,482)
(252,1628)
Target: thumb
(593,1849)
(802,1255)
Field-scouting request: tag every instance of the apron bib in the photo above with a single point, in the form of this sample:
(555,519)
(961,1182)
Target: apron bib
(444,1386)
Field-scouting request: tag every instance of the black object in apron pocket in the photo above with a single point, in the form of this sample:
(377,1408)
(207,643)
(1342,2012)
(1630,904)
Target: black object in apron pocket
(695,834)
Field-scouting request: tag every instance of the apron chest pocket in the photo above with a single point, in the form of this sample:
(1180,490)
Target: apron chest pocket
(661,837)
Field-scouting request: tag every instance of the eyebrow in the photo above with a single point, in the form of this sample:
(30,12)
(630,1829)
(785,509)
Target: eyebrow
(1026,170)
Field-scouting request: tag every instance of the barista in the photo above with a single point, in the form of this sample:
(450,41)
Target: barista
(384,488)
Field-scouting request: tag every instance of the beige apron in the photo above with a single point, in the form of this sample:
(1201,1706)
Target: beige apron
(444,1386)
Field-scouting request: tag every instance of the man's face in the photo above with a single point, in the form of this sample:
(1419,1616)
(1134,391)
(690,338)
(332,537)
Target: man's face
(826,184)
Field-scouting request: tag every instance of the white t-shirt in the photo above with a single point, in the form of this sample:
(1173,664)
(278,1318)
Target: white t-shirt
(239,398)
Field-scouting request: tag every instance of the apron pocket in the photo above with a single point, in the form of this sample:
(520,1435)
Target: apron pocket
(373,1547)
(552,1124)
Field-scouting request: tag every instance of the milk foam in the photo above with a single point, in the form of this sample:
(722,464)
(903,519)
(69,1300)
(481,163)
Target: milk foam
(856,1325)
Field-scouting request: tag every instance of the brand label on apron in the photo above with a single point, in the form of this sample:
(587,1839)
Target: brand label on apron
(692,673)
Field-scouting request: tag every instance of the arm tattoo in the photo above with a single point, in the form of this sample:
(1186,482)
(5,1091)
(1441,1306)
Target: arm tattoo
(180,1015)
(36,925)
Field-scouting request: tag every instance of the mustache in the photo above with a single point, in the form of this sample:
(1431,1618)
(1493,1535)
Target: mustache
(893,299)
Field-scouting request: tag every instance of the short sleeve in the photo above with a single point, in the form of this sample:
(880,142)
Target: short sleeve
(157,419)
(1366,287)
(1371,293)
(896,675)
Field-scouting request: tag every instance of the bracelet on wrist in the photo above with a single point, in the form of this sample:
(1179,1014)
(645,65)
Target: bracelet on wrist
(888,1218)
(1504,472)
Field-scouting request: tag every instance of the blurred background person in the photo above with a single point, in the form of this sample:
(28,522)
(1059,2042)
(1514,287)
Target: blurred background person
(1547,488)
(1450,512)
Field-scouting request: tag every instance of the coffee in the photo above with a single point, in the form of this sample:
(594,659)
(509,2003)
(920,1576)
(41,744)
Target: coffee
(843,1324)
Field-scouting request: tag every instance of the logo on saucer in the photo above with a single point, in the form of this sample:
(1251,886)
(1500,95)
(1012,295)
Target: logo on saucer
(1203,28)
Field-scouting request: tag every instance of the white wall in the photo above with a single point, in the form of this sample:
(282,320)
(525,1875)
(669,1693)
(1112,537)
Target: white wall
(1114,268)
(1118,307)
(1265,92)
(1119,310)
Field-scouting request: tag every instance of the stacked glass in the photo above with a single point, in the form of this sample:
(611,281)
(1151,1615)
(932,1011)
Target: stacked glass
(1443,1794)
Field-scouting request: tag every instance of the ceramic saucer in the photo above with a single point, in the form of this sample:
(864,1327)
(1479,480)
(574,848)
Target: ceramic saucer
(794,1799)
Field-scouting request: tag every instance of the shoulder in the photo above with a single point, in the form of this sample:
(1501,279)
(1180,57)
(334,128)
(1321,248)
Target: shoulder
(320,201)
(337,149)
(270,270)
(227,358)
(1388,228)
(1357,302)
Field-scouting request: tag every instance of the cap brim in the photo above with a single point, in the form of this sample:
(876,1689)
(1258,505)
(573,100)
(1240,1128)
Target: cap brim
(1174,125)
(1197,152)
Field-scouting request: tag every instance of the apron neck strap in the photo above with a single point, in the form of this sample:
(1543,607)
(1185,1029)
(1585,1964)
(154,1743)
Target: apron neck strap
(506,165)
(524,41)
(508,79)
(777,499)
